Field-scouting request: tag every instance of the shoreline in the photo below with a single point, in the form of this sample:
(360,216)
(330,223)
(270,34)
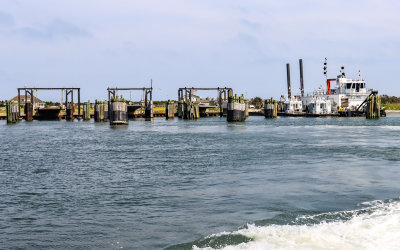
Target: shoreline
(252,112)
(391,112)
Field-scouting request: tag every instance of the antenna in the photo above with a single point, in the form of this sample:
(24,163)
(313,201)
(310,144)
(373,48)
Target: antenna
(342,70)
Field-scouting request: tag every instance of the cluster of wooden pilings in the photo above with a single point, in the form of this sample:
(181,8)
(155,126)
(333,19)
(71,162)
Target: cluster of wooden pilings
(170,109)
(69,111)
(86,110)
(118,111)
(12,110)
(373,108)
(271,108)
(191,110)
(100,111)
(236,108)
(188,110)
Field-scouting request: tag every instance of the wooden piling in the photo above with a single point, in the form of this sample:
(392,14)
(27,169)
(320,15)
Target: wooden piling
(246,107)
(186,110)
(148,110)
(86,111)
(180,109)
(169,110)
(70,109)
(196,110)
(28,110)
(100,111)
(105,111)
(12,112)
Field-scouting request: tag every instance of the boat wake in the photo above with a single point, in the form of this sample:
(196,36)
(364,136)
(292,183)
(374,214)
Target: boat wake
(375,225)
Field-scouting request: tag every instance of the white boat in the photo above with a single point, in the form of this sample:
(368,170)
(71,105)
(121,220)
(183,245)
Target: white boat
(293,105)
(346,95)
(316,103)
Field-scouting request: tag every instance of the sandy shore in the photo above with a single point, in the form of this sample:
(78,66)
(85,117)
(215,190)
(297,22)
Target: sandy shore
(392,112)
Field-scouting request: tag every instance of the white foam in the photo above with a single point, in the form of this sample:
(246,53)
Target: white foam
(374,227)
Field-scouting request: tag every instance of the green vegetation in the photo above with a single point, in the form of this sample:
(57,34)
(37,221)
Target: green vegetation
(256,101)
(389,99)
(159,102)
(390,102)
(393,106)
(49,104)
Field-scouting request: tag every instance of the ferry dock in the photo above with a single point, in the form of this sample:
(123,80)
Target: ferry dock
(348,98)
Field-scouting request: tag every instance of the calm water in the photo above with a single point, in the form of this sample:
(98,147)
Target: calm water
(289,182)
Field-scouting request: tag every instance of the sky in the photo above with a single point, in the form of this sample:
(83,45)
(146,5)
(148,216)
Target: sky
(244,45)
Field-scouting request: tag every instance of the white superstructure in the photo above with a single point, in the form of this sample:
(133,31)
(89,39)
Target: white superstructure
(293,105)
(316,103)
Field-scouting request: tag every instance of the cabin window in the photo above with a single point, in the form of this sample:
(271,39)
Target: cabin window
(348,86)
(357,87)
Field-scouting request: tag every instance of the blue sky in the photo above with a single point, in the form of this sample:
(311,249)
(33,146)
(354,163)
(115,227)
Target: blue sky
(205,43)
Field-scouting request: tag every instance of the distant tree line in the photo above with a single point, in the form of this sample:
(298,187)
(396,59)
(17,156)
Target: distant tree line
(385,99)
(52,103)
(256,101)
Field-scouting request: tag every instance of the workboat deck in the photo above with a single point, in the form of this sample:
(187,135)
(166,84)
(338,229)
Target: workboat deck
(303,114)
